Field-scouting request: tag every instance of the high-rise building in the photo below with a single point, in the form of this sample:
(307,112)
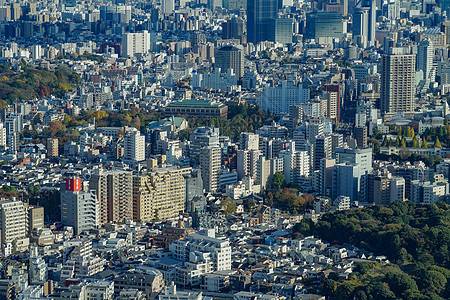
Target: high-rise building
(260,14)
(230,58)
(262,172)
(249,141)
(114,191)
(134,146)
(13,222)
(384,189)
(362,157)
(282,31)
(332,108)
(210,158)
(79,208)
(167,6)
(397,82)
(360,133)
(38,269)
(3,136)
(425,56)
(135,43)
(52,147)
(364,22)
(5,13)
(35,217)
(13,123)
(233,29)
(16,11)
(295,165)
(202,137)
(278,98)
(346,181)
(159,195)
(247,163)
(361,25)
(323,24)
(322,149)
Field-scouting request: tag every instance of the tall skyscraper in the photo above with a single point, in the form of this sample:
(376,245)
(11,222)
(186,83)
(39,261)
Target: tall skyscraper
(323,24)
(361,25)
(229,57)
(210,158)
(167,6)
(114,191)
(397,81)
(79,208)
(259,15)
(425,56)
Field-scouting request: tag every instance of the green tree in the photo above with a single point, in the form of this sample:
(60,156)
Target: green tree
(328,288)
(10,189)
(278,180)
(228,205)
(397,141)
(424,143)
(431,281)
(415,142)
(399,283)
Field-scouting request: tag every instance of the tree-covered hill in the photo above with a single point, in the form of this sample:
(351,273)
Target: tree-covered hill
(415,237)
(33,82)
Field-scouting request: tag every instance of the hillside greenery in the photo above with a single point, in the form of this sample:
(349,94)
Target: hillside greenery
(414,237)
(31,82)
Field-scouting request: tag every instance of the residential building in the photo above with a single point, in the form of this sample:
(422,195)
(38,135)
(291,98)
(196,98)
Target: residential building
(210,164)
(397,81)
(114,192)
(13,221)
(52,147)
(135,43)
(134,146)
(159,195)
(200,138)
(79,208)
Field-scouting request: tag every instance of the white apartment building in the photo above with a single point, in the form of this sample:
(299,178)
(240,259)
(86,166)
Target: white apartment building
(134,146)
(2,135)
(296,165)
(278,99)
(220,250)
(135,43)
(13,220)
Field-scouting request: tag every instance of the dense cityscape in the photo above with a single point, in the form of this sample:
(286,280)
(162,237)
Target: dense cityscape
(235,149)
